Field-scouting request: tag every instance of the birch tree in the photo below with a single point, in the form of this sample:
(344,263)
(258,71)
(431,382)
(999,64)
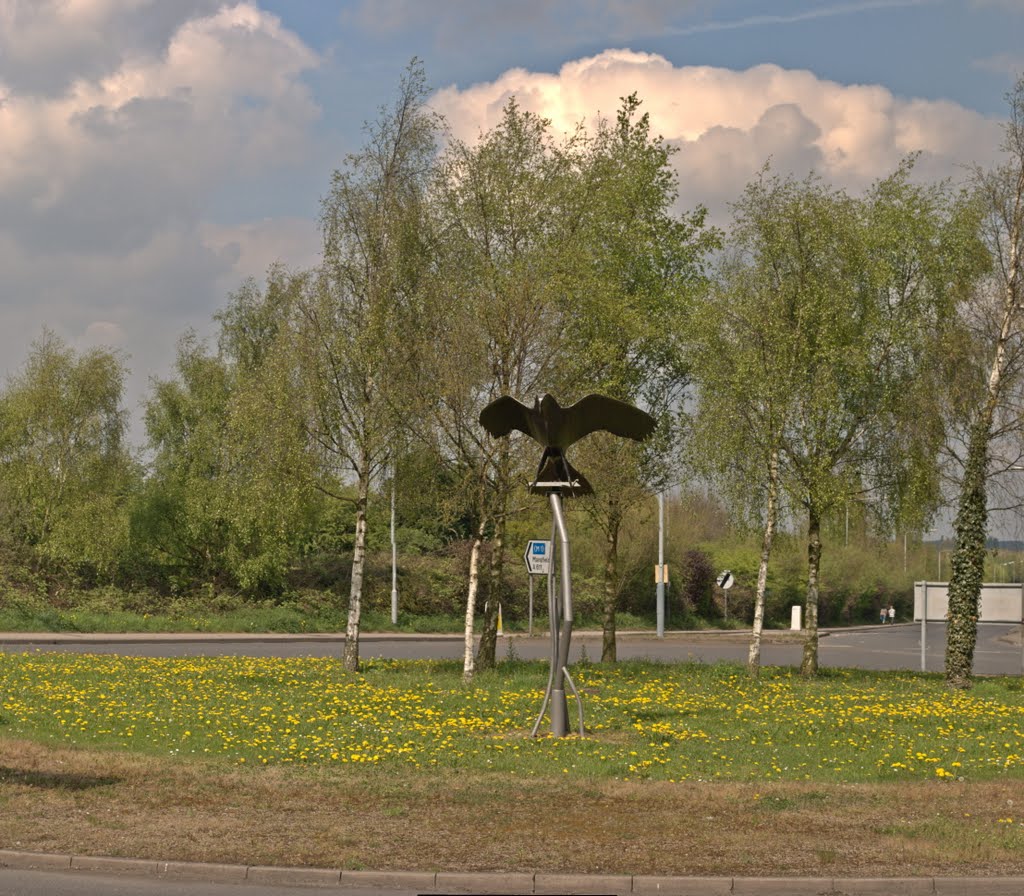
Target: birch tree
(641,268)
(744,381)
(564,271)
(855,293)
(347,339)
(492,323)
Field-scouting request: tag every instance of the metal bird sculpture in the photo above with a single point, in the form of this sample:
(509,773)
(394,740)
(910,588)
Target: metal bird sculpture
(556,428)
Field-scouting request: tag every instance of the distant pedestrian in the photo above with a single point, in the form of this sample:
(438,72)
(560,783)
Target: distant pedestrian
(892,615)
(882,613)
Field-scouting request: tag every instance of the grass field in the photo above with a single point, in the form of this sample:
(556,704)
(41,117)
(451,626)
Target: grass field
(325,617)
(685,769)
(669,722)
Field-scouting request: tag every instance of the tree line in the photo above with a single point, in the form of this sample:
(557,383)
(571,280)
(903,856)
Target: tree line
(826,350)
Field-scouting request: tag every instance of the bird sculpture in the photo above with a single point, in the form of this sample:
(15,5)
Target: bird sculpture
(556,428)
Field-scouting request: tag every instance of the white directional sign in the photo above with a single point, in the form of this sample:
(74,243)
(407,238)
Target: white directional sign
(538,558)
(725,580)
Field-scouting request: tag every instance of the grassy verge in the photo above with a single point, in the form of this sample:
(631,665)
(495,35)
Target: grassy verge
(686,770)
(670,722)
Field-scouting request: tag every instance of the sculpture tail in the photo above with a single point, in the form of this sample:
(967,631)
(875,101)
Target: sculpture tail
(555,469)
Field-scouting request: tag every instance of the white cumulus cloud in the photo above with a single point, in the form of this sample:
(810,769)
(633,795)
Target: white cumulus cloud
(726,124)
(113,148)
(140,143)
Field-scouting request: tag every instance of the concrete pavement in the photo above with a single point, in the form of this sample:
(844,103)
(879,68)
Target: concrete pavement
(503,883)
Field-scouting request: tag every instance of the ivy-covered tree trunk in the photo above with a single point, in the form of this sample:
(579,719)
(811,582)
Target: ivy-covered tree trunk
(611,590)
(1002,190)
(355,595)
(809,663)
(970,529)
(771,512)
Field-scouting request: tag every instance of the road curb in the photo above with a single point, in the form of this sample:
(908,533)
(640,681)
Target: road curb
(274,876)
(110,865)
(484,882)
(35,861)
(512,882)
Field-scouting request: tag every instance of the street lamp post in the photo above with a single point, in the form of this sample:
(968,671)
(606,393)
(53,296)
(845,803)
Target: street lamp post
(394,555)
(660,588)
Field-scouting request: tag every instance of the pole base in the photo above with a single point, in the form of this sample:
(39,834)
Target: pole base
(559,714)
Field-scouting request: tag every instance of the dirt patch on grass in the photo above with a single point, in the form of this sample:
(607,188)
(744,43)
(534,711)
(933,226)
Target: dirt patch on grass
(105,803)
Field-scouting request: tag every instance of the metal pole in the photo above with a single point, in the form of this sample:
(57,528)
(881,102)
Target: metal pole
(559,708)
(551,671)
(660,603)
(394,555)
(924,625)
(530,577)
(553,626)
(553,605)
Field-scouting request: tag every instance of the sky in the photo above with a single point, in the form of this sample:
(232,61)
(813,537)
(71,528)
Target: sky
(156,153)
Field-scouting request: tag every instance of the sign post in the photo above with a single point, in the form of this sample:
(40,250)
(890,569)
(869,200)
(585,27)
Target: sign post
(529,629)
(924,628)
(725,581)
(538,563)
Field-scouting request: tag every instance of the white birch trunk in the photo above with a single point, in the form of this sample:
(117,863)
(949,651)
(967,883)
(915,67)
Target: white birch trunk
(754,655)
(468,666)
(355,595)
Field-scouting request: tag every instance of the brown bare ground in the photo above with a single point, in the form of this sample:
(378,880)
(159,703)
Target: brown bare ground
(104,803)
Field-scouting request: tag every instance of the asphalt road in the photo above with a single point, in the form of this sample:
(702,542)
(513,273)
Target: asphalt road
(998,652)
(16,882)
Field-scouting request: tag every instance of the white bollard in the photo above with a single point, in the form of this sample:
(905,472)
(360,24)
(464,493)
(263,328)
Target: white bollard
(794,619)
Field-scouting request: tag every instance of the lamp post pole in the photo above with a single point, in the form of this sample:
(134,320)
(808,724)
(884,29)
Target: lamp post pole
(660,593)
(394,557)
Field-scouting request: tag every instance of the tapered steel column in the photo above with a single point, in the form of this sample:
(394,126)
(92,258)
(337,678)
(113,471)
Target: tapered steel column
(560,654)
(659,592)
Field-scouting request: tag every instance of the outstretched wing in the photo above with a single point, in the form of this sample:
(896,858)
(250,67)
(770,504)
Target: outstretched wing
(594,413)
(503,415)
